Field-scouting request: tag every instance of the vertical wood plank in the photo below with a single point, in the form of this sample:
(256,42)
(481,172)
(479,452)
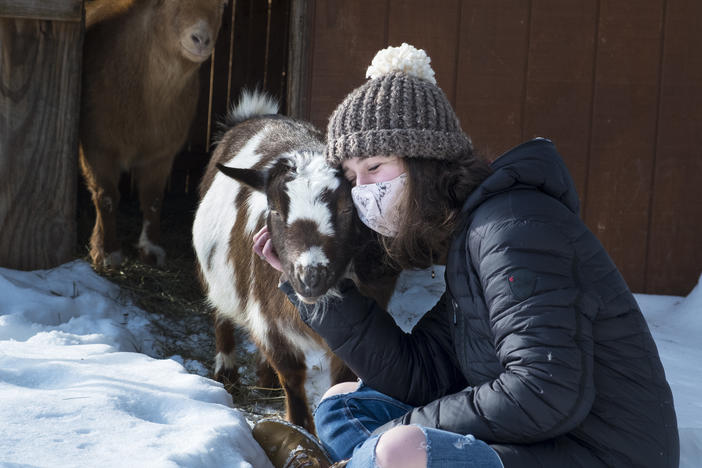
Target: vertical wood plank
(491,72)
(299,66)
(40,76)
(558,99)
(623,131)
(220,73)
(674,254)
(427,27)
(277,48)
(197,140)
(248,60)
(347,36)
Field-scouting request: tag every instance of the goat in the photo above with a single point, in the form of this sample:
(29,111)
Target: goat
(269,169)
(140,88)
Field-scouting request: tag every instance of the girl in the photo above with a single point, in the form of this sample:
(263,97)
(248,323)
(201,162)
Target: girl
(537,355)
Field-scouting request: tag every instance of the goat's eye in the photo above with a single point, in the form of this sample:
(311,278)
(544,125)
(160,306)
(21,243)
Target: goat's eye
(275,213)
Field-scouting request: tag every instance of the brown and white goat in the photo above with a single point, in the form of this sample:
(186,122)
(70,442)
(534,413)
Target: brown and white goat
(271,170)
(140,90)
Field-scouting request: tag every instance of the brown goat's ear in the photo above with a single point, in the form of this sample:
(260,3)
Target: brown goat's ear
(251,177)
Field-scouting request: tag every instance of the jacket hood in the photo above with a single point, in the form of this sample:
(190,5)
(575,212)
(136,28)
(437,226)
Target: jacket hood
(534,164)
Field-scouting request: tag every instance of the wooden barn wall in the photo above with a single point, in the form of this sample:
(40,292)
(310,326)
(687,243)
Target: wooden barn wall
(616,85)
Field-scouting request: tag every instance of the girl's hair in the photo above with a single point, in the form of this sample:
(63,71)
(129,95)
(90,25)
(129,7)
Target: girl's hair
(431,208)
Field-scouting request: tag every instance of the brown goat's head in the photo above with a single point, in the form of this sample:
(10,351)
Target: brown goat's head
(310,219)
(190,26)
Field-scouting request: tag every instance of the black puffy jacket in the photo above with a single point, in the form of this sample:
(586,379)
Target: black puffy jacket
(538,346)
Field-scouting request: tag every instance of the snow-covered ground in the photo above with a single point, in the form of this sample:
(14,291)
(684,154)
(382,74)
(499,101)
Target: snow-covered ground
(78,386)
(76,389)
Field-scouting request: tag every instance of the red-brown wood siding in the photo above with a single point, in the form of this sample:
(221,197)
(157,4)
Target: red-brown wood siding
(616,85)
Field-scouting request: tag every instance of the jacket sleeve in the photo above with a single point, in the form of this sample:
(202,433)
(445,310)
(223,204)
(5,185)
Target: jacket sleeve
(542,335)
(415,368)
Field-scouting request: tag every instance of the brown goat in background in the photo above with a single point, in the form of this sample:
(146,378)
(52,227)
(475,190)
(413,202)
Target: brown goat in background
(140,91)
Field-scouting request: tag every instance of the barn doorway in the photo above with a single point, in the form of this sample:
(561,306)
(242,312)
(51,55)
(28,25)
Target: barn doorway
(251,52)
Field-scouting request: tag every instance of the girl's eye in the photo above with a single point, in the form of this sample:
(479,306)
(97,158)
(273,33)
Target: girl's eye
(373,168)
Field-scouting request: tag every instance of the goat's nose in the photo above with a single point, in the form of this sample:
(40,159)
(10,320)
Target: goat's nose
(310,278)
(200,39)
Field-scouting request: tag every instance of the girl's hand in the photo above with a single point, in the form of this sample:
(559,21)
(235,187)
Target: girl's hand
(264,248)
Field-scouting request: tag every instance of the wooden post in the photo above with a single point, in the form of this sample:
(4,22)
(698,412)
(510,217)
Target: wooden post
(41,47)
(301,29)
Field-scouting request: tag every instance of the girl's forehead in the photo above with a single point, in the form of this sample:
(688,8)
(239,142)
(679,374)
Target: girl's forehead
(359,162)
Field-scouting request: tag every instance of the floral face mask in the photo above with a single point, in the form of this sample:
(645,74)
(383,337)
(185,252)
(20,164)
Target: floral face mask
(378,204)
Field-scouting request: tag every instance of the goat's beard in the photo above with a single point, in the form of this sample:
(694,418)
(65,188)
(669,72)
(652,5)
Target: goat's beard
(332,293)
(332,296)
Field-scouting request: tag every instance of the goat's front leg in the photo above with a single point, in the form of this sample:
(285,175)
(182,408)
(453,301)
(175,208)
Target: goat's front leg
(267,378)
(225,360)
(101,171)
(151,178)
(292,373)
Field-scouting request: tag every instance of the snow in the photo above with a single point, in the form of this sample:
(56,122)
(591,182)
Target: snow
(676,326)
(76,389)
(81,384)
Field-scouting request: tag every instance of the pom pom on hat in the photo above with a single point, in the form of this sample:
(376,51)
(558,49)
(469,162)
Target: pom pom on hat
(405,59)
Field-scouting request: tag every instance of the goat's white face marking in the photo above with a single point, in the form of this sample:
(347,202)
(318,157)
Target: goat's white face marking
(312,178)
(313,257)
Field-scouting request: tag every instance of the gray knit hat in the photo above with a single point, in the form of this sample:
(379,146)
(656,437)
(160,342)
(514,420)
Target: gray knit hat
(399,111)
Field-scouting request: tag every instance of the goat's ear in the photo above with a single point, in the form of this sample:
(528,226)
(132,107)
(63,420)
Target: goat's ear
(251,177)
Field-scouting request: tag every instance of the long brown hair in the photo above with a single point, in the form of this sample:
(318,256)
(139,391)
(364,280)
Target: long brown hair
(431,208)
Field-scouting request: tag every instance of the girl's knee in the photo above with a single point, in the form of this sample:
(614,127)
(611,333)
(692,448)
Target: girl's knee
(340,389)
(402,446)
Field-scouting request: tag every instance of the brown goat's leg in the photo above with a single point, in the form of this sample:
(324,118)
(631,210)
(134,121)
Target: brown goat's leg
(225,361)
(292,372)
(267,378)
(102,178)
(151,179)
(226,369)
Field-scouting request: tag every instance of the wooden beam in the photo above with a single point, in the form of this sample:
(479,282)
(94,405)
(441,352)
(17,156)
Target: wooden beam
(301,33)
(40,76)
(56,10)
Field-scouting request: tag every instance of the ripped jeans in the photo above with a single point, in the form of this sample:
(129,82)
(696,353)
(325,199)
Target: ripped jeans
(345,423)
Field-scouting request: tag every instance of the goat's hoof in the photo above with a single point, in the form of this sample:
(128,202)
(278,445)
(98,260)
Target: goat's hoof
(113,259)
(107,261)
(228,377)
(152,254)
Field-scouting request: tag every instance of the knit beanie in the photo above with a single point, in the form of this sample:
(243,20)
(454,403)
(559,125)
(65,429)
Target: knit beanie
(399,111)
